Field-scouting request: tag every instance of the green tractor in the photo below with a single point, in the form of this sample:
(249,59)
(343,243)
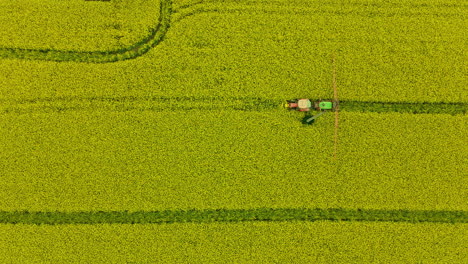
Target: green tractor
(306,105)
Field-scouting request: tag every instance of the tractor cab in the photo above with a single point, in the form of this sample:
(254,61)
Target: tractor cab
(306,105)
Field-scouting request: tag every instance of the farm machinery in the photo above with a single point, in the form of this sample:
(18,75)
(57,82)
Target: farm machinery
(306,105)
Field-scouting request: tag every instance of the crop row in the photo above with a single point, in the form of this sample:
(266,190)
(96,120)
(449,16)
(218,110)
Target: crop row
(132,44)
(184,103)
(224,215)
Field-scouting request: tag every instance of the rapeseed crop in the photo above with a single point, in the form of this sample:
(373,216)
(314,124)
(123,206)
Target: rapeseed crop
(129,45)
(152,160)
(257,242)
(186,125)
(277,54)
(76,25)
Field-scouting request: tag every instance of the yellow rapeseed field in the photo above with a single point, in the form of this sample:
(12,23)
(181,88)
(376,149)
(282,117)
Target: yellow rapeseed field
(162,106)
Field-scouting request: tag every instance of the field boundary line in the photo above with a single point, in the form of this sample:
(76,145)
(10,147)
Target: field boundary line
(232,215)
(156,35)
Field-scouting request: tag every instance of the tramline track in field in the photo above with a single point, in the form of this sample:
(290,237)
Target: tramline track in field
(232,215)
(184,103)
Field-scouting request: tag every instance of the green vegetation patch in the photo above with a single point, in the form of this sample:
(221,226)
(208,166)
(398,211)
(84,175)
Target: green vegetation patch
(223,215)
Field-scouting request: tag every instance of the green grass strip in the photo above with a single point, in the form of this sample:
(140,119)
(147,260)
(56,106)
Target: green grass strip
(144,45)
(184,103)
(226,215)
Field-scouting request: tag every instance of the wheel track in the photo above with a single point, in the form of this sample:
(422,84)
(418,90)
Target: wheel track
(208,103)
(278,7)
(232,215)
